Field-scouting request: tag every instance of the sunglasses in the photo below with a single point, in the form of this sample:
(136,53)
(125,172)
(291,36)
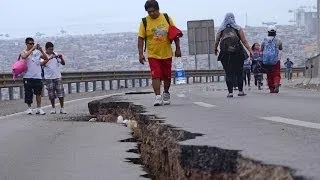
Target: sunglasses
(30,43)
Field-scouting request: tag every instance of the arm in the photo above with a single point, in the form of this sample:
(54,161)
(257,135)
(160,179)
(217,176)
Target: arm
(26,54)
(244,41)
(176,41)
(178,50)
(63,62)
(43,55)
(217,43)
(140,45)
(141,38)
(262,47)
(45,61)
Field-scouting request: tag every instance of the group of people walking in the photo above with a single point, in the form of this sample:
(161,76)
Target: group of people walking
(156,34)
(264,57)
(231,47)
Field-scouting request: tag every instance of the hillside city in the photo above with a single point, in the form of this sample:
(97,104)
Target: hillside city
(118,51)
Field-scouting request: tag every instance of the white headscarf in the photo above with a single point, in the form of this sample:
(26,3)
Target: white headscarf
(229,19)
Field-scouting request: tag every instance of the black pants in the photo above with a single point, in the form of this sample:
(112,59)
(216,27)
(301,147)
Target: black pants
(247,76)
(233,68)
(31,86)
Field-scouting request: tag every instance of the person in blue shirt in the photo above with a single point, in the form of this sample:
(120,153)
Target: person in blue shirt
(288,64)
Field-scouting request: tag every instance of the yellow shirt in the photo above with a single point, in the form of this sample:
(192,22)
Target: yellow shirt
(158,44)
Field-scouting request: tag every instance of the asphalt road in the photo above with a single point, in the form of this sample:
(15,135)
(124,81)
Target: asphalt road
(53,147)
(280,129)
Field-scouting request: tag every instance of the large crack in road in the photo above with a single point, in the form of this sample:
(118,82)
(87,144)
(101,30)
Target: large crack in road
(164,157)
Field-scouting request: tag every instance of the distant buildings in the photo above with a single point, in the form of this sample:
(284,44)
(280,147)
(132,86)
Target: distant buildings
(306,19)
(118,51)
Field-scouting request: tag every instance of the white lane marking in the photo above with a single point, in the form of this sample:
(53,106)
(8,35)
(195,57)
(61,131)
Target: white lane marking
(181,95)
(66,102)
(203,104)
(292,122)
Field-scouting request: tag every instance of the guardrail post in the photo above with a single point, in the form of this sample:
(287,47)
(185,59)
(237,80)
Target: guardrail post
(94,85)
(11,93)
(78,87)
(118,84)
(188,80)
(69,88)
(147,82)
(200,79)
(212,79)
(0,94)
(218,78)
(207,79)
(110,84)
(133,83)
(140,82)
(86,86)
(21,91)
(193,79)
(126,83)
(103,85)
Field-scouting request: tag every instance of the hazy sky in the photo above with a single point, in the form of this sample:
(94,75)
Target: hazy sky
(25,18)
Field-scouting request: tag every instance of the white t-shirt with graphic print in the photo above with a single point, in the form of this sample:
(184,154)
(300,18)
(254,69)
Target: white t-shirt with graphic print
(34,67)
(52,68)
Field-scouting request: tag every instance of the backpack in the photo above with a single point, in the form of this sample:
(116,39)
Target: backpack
(19,68)
(270,52)
(230,40)
(144,21)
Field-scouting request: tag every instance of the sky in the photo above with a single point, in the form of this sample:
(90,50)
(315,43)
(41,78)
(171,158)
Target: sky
(24,18)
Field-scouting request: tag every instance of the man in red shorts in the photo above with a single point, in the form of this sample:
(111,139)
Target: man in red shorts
(154,31)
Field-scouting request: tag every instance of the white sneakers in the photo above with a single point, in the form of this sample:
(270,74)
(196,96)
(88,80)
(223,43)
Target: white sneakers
(166,98)
(162,100)
(158,101)
(53,111)
(29,111)
(62,111)
(41,111)
(37,111)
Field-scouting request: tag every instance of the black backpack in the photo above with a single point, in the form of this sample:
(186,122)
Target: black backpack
(230,40)
(144,21)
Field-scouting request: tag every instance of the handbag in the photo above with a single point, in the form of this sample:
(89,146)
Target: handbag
(173,32)
(19,68)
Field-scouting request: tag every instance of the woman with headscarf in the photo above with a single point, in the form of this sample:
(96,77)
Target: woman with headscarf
(230,37)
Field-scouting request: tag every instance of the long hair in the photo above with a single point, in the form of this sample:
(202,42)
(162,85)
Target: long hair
(254,44)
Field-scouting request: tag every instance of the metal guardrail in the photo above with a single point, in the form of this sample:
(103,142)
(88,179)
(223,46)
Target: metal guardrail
(143,78)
